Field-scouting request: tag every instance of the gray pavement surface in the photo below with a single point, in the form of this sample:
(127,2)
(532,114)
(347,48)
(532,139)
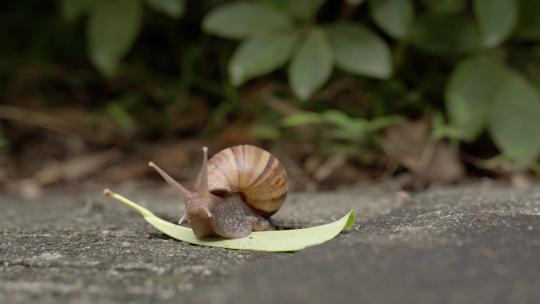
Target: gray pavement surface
(464,244)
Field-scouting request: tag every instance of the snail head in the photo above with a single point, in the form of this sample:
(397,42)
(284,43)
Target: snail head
(198,201)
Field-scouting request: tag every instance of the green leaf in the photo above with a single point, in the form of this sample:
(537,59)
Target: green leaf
(239,20)
(268,132)
(359,51)
(496,19)
(445,6)
(393,16)
(74,9)
(483,92)
(312,65)
(347,128)
(112,29)
(276,241)
(444,34)
(384,122)
(121,116)
(529,19)
(338,119)
(514,120)
(259,55)
(301,119)
(470,92)
(301,9)
(173,8)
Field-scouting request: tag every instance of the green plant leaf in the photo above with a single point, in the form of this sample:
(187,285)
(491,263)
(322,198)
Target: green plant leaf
(259,55)
(347,128)
(173,8)
(276,241)
(445,6)
(393,16)
(238,20)
(484,93)
(384,122)
(302,118)
(528,27)
(74,9)
(338,119)
(444,34)
(312,65)
(111,31)
(359,51)
(472,87)
(121,116)
(514,120)
(301,9)
(267,132)
(496,19)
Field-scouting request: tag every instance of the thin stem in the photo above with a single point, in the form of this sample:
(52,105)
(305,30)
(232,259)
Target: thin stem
(183,192)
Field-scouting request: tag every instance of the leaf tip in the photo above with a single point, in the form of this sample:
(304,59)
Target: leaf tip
(386,71)
(302,95)
(107,192)
(350,220)
(206,26)
(235,75)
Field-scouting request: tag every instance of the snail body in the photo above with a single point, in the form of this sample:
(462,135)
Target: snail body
(236,192)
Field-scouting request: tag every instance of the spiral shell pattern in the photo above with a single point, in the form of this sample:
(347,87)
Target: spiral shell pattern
(251,171)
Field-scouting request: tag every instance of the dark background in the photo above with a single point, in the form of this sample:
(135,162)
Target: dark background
(340,91)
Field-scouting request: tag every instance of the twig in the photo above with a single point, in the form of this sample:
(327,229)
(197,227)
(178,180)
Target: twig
(45,121)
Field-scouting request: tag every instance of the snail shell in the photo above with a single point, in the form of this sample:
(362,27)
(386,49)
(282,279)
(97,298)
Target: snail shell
(251,171)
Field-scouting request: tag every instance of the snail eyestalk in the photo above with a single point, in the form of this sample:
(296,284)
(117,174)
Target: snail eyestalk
(203,185)
(182,219)
(183,192)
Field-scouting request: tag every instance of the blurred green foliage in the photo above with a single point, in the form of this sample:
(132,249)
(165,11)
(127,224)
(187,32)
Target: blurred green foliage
(112,26)
(467,59)
(354,134)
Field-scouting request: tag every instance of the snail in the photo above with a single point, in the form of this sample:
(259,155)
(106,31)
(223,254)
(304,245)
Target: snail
(236,192)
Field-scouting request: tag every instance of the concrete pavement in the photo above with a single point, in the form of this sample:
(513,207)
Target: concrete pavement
(464,244)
